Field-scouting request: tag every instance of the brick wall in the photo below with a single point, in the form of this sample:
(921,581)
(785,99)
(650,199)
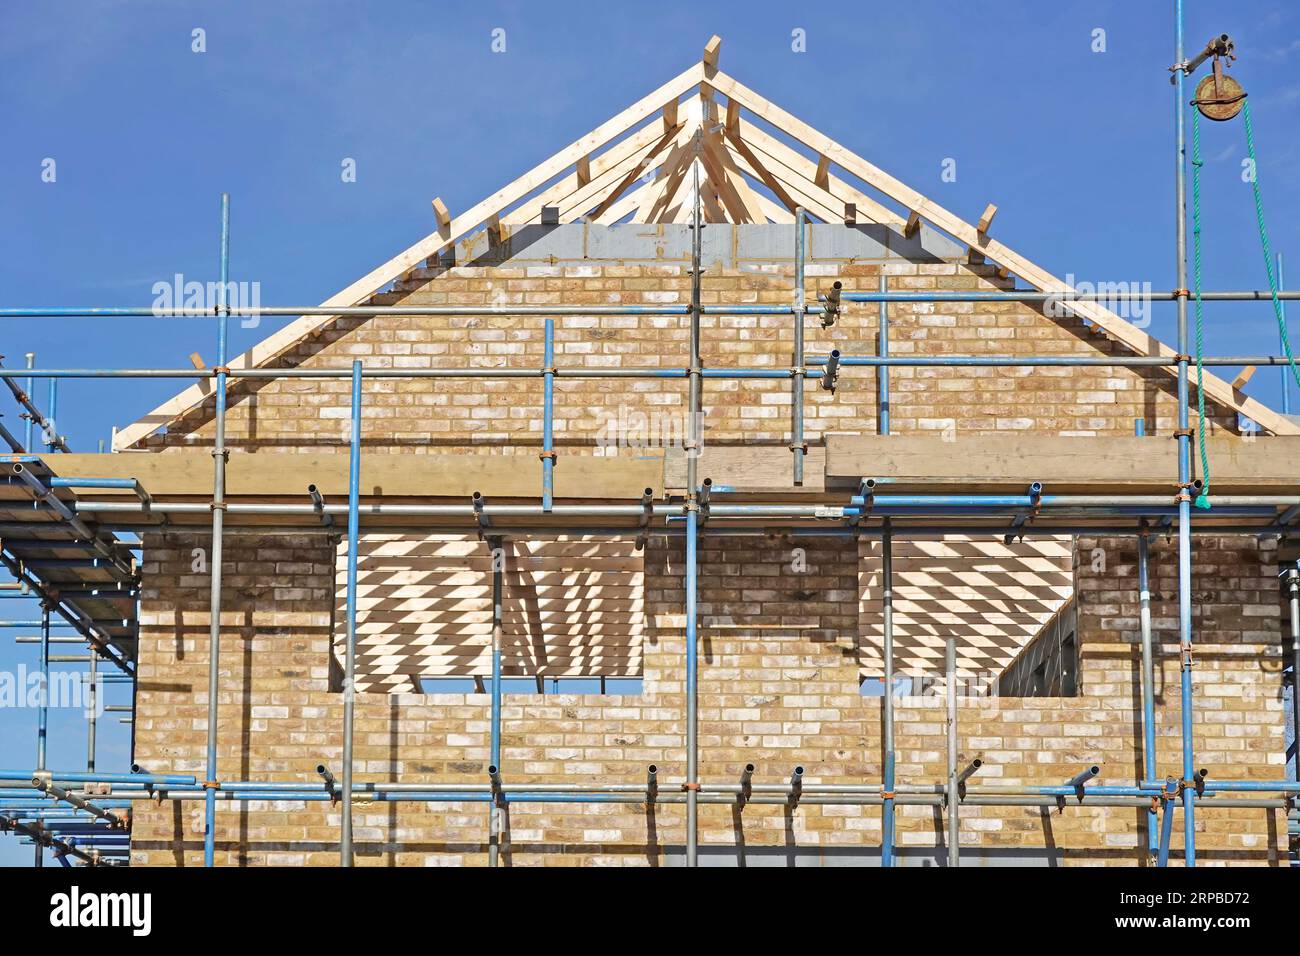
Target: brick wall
(484,416)
(781,689)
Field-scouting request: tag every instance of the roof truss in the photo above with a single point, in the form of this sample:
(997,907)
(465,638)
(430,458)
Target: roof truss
(640,166)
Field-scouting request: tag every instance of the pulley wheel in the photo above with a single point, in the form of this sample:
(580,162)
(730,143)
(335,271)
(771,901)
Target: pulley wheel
(1223,105)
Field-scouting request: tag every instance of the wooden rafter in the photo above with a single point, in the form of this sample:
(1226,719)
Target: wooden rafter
(681,207)
(769,180)
(627,205)
(794,167)
(775,211)
(741,201)
(1123,332)
(580,203)
(635,173)
(441,216)
(717,154)
(713,209)
(362,289)
(669,180)
(600,172)
(641,199)
(812,200)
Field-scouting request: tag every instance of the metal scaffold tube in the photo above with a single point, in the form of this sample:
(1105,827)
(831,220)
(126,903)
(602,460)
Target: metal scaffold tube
(815,367)
(43,709)
(695,430)
(1184,451)
(692,690)
(882,371)
(1293,590)
(1062,298)
(548,417)
(797,445)
(494,742)
(1167,795)
(1285,371)
(350,651)
(92,719)
(952,796)
(31,419)
(219,454)
(1148,682)
(887,621)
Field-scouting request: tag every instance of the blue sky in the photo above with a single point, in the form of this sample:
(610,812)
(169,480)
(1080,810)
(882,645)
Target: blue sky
(1074,146)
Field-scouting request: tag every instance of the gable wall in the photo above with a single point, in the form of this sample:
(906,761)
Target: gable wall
(768,695)
(485,416)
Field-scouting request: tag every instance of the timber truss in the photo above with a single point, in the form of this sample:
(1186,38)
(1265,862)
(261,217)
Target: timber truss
(750,159)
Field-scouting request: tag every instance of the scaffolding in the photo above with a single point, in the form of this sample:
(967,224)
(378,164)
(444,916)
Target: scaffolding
(62,810)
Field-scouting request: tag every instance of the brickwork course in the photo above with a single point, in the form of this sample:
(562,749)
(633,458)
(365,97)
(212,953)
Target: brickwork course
(782,693)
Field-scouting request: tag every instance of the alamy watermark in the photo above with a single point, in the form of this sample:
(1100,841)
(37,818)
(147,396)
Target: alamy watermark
(62,690)
(637,430)
(1129,300)
(75,908)
(206,297)
(930,689)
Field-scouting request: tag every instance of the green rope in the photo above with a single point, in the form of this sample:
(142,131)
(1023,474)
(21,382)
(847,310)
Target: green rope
(1263,240)
(1203,499)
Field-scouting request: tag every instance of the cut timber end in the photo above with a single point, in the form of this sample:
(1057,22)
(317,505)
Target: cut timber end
(821,178)
(442,216)
(986,219)
(498,231)
(711,51)
(1243,377)
(670,116)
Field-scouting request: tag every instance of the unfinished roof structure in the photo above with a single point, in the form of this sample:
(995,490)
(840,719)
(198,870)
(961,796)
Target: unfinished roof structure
(704,496)
(642,165)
